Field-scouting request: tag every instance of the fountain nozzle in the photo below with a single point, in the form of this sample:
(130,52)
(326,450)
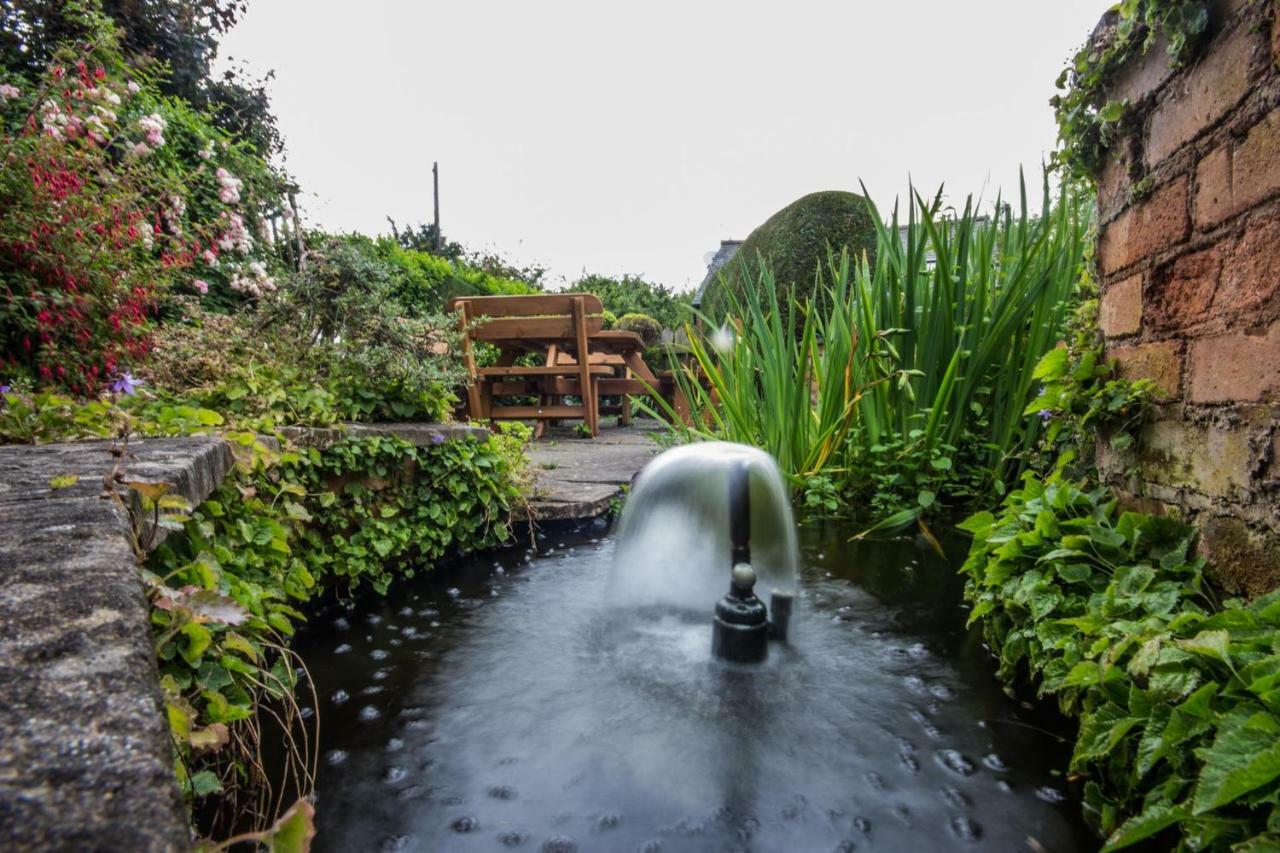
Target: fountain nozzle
(741,629)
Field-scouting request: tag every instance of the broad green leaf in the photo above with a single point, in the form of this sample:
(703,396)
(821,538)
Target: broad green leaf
(1244,755)
(1154,818)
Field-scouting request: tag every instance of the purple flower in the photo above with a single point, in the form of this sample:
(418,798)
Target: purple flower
(437,438)
(1045,415)
(4,389)
(125,384)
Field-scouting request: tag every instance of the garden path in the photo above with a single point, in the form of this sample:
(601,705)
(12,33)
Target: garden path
(577,478)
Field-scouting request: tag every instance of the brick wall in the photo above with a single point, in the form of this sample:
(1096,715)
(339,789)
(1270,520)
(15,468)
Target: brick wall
(1189,265)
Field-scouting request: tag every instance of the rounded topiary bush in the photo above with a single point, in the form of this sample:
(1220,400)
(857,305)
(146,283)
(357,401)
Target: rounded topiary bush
(794,241)
(608,318)
(649,329)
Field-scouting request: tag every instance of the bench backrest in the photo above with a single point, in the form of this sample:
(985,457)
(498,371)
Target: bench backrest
(546,315)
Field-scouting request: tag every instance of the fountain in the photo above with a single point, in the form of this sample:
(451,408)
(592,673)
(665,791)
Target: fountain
(689,518)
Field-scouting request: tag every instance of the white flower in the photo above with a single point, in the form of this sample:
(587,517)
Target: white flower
(110,97)
(133,88)
(8,92)
(207,151)
(210,257)
(153,126)
(139,150)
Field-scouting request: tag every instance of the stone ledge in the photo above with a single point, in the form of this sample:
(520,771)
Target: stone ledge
(85,759)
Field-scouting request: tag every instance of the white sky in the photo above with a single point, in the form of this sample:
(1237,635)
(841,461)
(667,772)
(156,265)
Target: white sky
(630,138)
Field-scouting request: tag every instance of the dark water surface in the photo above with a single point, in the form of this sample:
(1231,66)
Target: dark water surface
(501,703)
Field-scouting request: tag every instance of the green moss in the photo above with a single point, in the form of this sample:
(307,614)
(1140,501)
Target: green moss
(793,242)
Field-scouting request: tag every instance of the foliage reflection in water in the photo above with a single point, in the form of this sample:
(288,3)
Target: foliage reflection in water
(502,703)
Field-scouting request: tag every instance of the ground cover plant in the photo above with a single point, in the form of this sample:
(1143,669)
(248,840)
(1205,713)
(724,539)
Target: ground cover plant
(1178,695)
(903,383)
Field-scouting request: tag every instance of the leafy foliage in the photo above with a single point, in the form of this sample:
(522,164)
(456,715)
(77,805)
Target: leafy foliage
(1178,699)
(634,295)
(649,329)
(904,384)
(795,243)
(225,596)
(1088,123)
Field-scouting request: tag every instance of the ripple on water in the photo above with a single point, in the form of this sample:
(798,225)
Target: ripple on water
(954,761)
(342,648)
(464,824)
(335,756)
(1050,794)
(502,792)
(965,828)
(559,844)
(369,713)
(339,697)
(512,838)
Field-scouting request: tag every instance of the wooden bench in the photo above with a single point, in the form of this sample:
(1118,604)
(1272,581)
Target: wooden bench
(545,324)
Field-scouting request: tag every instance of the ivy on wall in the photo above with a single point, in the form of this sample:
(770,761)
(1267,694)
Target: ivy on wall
(1088,121)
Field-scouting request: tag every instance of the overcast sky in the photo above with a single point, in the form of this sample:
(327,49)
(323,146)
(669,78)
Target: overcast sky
(631,138)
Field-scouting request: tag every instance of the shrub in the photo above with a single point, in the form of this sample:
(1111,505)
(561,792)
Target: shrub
(907,383)
(108,205)
(423,283)
(795,242)
(1178,699)
(633,295)
(649,329)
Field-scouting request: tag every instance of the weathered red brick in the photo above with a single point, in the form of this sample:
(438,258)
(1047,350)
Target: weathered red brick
(1145,229)
(1182,290)
(1143,75)
(1251,275)
(1213,201)
(1120,308)
(1161,362)
(1231,179)
(1205,93)
(1236,368)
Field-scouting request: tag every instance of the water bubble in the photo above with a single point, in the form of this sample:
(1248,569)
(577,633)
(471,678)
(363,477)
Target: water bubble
(342,649)
(339,697)
(306,712)
(499,570)
(1050,794)
(862,825)
(955,762)
(512,838)
(374,619)
(903,814)
(910,763)
(395,745)
(955,797)
(874,780)
(454,592)
(378,654)
(395,641)
(502,792)
(369,713)
(380,674)
(1004,786)
(609,820)
(395,775)
(394,843)
(965,828)
(994,762)
(341,624)
(942,691)
(435,624)
(559,844)
(411,792)
(931,730)
(467,823)
(372,690)
(914,683)
(846,846)
(653,845)
(335,756)
(918,651)
(405,612)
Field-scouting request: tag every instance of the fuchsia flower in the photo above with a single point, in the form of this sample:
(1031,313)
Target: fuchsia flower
(201,286)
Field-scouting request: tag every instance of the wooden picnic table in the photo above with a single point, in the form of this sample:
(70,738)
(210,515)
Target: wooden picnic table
(558,328)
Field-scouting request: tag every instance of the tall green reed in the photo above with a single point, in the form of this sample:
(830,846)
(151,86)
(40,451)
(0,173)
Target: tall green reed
(902,381)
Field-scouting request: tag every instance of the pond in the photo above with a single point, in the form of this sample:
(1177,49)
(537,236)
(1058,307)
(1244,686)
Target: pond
(501,703)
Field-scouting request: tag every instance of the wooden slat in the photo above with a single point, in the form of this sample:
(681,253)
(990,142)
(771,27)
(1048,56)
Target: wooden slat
(535,412)
(528,306)
(564,386)
(543,370)
(547,328)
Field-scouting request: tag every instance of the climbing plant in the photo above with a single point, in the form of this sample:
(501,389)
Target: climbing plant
(1088,120)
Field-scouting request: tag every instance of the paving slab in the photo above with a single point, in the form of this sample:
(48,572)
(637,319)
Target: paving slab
(576,478)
